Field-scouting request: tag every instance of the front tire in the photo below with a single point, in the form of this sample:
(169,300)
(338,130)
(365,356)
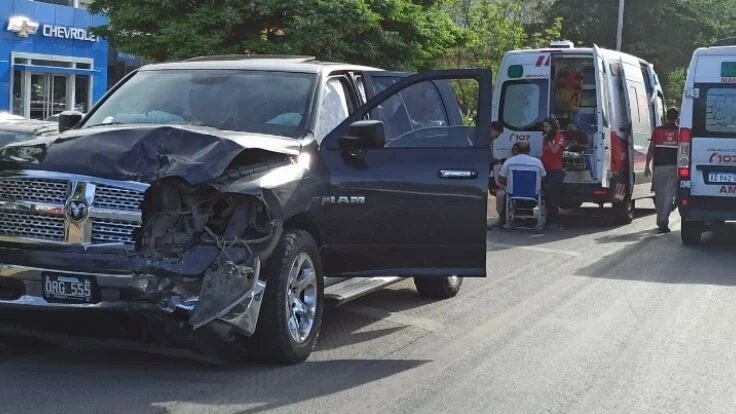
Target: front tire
(291,312)
(691,232)
(438,288)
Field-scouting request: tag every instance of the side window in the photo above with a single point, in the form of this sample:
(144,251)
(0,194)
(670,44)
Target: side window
(417,117)
(636,112)
(361,89)
(334,107)
(659,112)
(524,104)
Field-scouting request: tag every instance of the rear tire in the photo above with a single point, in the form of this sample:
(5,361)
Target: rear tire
(291,312)
(624,211)
(438,288)
(691,232)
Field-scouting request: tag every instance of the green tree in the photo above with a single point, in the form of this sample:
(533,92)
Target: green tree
(664,32)
(393,34)
(674,84)
(490,29)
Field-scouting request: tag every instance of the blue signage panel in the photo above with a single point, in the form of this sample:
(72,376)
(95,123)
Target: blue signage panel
(61,31)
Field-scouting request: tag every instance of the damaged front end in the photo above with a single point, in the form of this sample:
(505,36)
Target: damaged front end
(201,251)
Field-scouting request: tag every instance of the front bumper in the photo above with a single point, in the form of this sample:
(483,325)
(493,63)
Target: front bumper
(233,304)
(705,208)
(21,286)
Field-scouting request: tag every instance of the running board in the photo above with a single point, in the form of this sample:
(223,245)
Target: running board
(356,287)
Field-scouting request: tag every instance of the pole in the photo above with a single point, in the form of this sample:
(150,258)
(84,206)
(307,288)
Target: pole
(620,32)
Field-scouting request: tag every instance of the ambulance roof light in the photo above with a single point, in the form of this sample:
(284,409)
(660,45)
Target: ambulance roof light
(562,44)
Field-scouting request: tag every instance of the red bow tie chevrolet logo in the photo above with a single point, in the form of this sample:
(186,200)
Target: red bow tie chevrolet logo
(22,26)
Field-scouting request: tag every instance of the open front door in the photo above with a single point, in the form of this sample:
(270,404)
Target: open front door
(408,179)
(640,129)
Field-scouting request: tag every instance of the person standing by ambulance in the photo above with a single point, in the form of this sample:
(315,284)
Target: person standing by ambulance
(552,159)
(663,150)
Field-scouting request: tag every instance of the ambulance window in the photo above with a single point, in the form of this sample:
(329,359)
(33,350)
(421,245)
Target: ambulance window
(635,110)
(524,103)
(715,112)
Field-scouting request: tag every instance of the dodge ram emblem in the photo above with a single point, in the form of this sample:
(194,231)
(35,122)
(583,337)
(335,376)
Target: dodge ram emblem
(76,210)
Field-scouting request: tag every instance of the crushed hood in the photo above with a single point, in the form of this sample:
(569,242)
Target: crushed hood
(141,153)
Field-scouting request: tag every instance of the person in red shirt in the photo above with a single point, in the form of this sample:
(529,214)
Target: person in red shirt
(663,150)
(552,153)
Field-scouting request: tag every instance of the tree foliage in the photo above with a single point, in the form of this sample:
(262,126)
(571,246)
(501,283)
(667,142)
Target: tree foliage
(393,34)
(664,32)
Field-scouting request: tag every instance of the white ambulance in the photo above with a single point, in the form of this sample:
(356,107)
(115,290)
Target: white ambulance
(613,98)
(707,153)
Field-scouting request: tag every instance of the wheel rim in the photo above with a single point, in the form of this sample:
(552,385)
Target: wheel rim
(453,280)
(301,298)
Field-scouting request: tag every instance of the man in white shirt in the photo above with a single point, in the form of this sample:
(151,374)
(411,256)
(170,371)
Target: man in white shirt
(521,158)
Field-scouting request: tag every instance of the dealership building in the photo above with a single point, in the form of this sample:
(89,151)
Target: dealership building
(49,59)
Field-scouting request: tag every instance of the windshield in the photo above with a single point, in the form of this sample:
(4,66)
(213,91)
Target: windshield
(249,101)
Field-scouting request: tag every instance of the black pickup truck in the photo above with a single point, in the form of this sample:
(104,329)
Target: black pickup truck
(231,196)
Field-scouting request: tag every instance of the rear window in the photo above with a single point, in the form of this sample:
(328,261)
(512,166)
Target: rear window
(715,111)
(728,69)
(524,103)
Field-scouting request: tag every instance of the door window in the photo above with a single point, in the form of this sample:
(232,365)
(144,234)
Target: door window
(19,86)
(524,104)
(334,106)
(715,112)
(81,94)
(417,117)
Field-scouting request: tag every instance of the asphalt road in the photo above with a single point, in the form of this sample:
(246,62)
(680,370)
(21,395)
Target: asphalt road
(592,318)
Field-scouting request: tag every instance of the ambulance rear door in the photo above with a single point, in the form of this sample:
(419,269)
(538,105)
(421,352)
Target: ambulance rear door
(639,130)
(603,129)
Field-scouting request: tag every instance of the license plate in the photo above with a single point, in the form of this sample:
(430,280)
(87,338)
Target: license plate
(722,178)
(60,288)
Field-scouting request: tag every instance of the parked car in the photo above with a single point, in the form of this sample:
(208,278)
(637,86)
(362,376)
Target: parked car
(231,196)
(15,128)
(707,152)
(614,98)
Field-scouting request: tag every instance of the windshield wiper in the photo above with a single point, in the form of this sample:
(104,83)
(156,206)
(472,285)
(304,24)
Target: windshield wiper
(104,124)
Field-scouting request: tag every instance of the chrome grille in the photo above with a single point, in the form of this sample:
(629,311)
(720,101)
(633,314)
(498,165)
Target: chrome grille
(32,207)
(34,189)
(112,231)
(116,198)
(32,226)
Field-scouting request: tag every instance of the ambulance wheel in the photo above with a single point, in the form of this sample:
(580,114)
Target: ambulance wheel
(624,211)
(438,287)
(691,232)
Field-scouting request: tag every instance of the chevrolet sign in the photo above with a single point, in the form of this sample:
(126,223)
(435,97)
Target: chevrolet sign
(25,27)
(22,26)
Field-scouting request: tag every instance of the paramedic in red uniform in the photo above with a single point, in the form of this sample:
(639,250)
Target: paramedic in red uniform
(663,149)
(552,153)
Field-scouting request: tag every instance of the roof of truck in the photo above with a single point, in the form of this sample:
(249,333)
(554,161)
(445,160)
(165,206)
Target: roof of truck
(275,63)
(571,51)
(716,50)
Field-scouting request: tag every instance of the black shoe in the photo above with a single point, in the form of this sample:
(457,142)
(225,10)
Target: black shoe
(663,229)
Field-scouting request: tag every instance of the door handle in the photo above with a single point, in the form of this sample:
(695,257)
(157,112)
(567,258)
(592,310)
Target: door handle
(458,174)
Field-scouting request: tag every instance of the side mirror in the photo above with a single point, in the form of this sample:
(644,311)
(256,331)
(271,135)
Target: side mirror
(68,120)
(363,135)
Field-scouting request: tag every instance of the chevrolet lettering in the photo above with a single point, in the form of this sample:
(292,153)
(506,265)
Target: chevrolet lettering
(63,32)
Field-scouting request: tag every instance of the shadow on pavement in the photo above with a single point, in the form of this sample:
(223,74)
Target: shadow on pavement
(127,381)
(143,381)
(574,223)
(661,258)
